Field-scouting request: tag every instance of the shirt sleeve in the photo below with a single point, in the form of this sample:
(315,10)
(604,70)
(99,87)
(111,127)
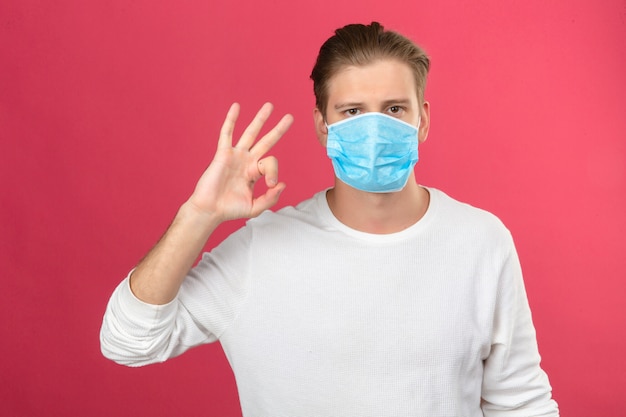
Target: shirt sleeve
(514,385)
(135,333)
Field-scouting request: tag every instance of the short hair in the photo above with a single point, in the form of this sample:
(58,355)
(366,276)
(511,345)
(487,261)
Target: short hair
(360,45)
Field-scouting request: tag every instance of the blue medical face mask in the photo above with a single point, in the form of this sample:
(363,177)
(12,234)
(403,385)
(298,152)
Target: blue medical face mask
(373,152)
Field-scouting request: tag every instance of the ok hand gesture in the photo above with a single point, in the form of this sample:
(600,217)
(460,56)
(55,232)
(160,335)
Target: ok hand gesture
(225,190)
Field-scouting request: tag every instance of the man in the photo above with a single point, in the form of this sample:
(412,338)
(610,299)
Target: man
(375,297)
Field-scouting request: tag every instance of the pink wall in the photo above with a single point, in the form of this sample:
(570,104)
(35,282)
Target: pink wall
(109,111)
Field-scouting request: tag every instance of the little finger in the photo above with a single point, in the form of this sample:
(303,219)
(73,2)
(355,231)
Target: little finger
(226,133)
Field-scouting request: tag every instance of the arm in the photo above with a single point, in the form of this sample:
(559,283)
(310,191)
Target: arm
(144,321)
(513,382)
(224,192)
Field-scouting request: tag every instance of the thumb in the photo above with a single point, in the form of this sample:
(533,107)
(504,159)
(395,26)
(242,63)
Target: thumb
(267,200)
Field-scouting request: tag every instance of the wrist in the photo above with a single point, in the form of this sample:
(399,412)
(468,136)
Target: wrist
(201,220)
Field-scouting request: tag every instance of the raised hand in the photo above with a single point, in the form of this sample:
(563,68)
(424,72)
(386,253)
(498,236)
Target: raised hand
(226,189)
(224,192)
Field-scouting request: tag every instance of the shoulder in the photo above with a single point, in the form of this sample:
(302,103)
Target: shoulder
(465,218)
(308,213)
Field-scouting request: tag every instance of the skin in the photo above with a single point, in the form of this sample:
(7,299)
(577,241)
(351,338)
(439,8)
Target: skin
(225,190)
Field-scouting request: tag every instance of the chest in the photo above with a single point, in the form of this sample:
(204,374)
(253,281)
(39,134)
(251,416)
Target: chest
(323,323)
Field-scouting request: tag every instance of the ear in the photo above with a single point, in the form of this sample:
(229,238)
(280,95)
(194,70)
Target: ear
(424,122)
(320,126)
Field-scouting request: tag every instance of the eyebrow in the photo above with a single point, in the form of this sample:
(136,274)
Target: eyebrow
(347,105)
(402,101)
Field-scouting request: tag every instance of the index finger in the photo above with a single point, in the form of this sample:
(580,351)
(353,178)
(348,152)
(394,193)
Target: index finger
(271,138)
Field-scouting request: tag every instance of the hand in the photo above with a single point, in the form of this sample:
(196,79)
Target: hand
(225,190)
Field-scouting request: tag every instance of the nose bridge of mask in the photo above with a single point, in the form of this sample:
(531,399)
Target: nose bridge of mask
(374,126)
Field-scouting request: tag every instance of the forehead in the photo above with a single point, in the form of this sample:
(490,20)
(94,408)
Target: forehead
(380,80)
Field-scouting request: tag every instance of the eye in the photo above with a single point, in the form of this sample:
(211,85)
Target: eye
(395,110)
(352,112)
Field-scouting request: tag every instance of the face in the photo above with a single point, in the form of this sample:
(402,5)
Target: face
(385,86)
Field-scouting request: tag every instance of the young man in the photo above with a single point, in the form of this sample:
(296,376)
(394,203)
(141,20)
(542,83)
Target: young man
(375,297)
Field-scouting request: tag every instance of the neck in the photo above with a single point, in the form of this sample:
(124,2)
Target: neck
(378,213)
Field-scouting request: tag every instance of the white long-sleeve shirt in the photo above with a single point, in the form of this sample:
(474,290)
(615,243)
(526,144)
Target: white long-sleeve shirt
(318,319)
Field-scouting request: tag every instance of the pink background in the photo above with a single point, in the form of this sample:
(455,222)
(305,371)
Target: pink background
(109,112)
